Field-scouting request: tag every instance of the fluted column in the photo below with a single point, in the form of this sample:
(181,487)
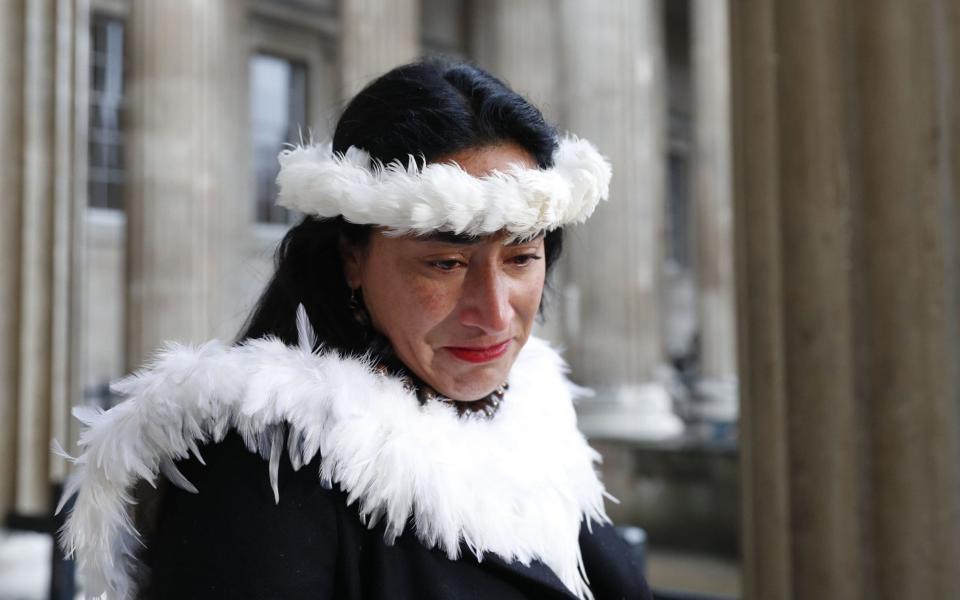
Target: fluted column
(39,214)
(36,276)
(376,35)
(712,195)
(846,136)
(615,95)
(11,166)
(519,42)
(908,332)
(189,155)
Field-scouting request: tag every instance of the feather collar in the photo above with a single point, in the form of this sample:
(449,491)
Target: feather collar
(518,485)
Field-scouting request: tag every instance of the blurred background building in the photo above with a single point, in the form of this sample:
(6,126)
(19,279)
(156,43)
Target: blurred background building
(137,184)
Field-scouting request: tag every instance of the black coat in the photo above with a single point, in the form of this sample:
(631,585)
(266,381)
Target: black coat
(232,540)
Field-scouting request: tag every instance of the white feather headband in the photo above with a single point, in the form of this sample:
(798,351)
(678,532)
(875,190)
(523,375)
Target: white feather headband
(442,196)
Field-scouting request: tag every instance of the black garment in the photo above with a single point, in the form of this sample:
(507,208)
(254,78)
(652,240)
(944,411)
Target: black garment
(232,541)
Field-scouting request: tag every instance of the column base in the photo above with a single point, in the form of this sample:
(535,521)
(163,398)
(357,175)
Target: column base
(635,412)
(716,399)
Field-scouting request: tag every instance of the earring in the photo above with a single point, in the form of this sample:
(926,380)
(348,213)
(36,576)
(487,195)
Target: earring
(354,305)
(357,307)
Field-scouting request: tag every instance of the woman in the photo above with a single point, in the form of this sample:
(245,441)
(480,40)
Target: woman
(386,427)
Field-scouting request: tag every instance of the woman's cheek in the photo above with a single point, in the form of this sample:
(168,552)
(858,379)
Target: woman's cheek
(434,297)
(531,292)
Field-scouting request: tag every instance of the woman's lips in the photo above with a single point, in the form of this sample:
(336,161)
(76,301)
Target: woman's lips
(478,355)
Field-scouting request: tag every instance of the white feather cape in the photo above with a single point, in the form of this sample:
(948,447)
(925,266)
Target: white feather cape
(518,485)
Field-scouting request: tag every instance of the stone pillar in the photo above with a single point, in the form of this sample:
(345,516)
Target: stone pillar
(615,95)
(767,556)
(69,208)
(908,301)
(40,210)
(189,153)
(376,35)
(36,275)
(846,139)
(519,42)
(11,171)
(713,210)
(950,13)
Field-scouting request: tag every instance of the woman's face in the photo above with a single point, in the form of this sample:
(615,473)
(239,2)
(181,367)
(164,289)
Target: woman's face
(456,311)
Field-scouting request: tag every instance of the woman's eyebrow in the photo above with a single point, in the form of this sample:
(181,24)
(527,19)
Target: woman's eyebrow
(448,237)
(461,239)
(524,241)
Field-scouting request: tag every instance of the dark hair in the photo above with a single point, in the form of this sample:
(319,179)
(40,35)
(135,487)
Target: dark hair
(427,110)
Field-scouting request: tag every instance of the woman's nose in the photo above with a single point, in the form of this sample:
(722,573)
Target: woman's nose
(485,303)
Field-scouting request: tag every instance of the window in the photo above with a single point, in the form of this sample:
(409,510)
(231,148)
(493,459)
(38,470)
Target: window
(106,171)
(678,209)
(680,215)
(278,107)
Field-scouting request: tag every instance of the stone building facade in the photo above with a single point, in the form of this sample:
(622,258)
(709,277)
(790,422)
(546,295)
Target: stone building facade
(137,206)
(134,207)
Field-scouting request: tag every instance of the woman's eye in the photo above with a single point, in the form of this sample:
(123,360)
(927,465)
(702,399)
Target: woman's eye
(523,260)
(445,265)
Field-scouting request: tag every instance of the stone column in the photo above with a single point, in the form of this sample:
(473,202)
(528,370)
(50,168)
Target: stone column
(615,95)
(11,166)
(36,275)
(188,156)
(69,208)
(376,35)
(908,301)
(40,211)
(713,210)
(950,13)
(846,139)
(519,42)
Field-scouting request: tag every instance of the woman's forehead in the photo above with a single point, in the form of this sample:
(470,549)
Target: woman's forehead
(483,160)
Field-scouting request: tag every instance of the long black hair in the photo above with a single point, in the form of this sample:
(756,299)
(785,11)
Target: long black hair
(426,109)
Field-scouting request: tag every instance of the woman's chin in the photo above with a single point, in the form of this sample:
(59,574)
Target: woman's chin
(469,389)
(473,382)
(469,397)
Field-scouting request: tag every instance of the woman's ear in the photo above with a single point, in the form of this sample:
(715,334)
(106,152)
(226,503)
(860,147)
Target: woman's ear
(352,259)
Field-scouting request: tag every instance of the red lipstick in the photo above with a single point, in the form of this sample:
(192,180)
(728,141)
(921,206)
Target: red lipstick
(479,355)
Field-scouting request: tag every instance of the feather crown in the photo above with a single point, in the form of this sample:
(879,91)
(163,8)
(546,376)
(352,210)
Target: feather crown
(442,196)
